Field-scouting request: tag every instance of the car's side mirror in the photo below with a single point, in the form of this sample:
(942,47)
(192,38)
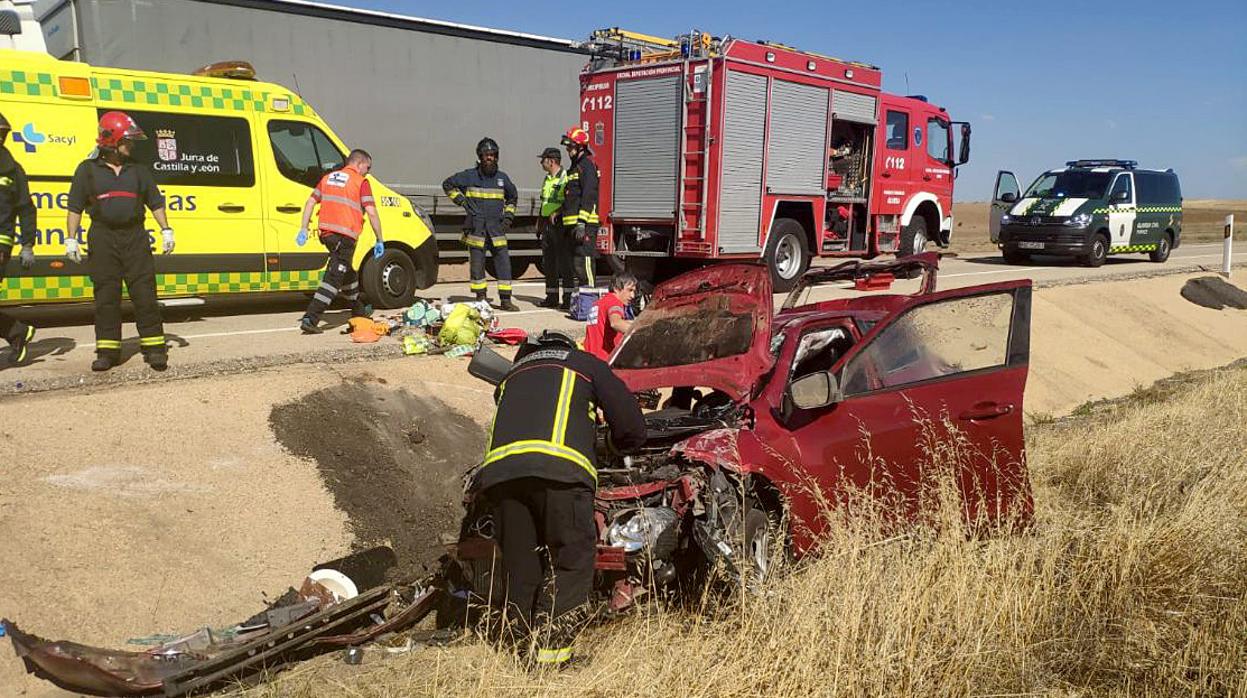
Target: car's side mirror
(964,156)
(815,390)
(1008,197)
(1120,197)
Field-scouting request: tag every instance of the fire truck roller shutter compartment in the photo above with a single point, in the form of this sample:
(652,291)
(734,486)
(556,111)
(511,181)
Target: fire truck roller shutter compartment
(647,130)
(797,139)
(850,106)
(744,130)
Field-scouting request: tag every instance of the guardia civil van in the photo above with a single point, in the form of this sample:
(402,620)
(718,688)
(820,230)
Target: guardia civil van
(236,159)
(1088,209)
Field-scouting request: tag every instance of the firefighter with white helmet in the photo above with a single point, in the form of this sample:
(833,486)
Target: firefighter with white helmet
(580,203)
(114,189)
(488,197)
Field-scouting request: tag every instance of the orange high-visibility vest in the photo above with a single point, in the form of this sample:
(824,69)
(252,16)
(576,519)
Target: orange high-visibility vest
(343,196)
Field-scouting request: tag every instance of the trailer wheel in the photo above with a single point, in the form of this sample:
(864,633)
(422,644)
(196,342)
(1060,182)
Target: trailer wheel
(787,255)
(390,282)
(519,267)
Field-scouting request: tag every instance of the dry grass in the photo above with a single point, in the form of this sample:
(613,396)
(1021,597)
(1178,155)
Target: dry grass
(1133,581)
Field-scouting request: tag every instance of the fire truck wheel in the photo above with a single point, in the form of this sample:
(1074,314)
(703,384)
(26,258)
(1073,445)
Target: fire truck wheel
(390,281)
(787,254)
(914,238)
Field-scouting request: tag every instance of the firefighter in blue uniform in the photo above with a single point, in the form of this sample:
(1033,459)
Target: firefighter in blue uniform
(15,204)
(488,197)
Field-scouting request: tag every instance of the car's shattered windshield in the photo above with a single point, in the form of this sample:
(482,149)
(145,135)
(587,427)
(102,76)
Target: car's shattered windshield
(687,334)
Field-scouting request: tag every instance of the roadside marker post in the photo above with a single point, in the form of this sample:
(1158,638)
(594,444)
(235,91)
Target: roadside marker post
(1228,249)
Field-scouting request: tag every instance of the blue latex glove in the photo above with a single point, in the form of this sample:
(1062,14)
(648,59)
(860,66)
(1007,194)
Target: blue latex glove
(378,250)
(301,238)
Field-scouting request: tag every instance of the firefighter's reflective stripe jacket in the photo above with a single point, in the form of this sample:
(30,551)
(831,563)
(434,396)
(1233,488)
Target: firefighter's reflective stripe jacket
(580,198)
(15,203)
(488,200)
(545,426)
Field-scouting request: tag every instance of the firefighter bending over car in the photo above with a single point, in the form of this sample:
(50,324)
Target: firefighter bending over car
(539,476)
(114,189)
(580,204)
(15,204)
(488,197)
(344,196)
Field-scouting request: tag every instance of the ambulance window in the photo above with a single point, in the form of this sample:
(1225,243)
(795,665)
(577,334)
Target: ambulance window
(937,140)
(195,150)
(898,130)
(303,152)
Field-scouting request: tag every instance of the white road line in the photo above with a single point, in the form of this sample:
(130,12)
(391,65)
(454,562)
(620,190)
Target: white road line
(236,333)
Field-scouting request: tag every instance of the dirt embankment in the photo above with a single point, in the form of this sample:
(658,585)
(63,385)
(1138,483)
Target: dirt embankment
(393,461)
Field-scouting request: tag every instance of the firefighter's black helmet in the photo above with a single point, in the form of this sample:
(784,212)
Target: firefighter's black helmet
(487,145)
(554,338)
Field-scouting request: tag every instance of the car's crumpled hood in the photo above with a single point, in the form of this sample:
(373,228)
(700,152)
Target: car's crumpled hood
(709,327)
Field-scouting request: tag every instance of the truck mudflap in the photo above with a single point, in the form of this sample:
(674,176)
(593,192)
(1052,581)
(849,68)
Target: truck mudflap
(299,625)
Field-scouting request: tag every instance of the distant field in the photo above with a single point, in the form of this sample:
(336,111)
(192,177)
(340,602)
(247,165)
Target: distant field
(1202,221)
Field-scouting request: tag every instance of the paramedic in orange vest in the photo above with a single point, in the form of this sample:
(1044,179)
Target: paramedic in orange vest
(344,195)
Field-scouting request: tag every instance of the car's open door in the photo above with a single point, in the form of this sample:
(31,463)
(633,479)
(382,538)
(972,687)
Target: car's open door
(1004,196)
(938,383)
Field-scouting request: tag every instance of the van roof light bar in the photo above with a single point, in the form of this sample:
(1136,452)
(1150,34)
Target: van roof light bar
(1104,162)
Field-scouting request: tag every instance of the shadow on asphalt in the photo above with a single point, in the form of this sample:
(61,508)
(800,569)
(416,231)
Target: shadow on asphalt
(1051,261)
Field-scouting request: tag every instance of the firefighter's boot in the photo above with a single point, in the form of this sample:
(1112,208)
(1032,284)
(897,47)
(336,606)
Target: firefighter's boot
(103,362)
(21,342)
(158,360)
(310,325)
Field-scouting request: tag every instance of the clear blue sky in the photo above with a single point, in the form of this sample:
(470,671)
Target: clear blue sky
(1163,82)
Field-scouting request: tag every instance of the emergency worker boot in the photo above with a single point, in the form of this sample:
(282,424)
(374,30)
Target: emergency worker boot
(481,297)
(549,302)
(21,344)
(566,303)
(507,305)
(103,362)
(310,326)
(159,361)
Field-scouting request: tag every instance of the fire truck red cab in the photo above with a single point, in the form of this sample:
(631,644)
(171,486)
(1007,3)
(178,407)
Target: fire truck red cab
(716,149)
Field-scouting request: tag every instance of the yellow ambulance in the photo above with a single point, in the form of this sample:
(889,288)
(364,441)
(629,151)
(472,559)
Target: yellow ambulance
(236,160)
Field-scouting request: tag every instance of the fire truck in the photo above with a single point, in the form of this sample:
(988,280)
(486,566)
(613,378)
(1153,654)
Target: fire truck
(721,148)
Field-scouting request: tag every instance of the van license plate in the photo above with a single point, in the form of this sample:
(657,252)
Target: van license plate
(1030,245)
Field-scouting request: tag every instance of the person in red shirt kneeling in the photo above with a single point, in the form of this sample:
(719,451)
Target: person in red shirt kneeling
(608,320)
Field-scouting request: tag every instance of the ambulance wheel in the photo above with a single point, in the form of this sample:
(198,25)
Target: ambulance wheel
(1161,253)
(390,282)
(787,255)
(1098,253)
(426,261)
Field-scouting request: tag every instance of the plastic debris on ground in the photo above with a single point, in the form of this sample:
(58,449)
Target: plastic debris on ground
(437,327)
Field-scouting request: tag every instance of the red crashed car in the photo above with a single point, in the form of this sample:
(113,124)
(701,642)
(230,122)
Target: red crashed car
(764,414)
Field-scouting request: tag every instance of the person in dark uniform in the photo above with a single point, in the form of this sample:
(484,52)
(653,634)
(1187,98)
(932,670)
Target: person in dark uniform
(489,197)
(580,204)
(539,476)
(113,189)
(15,205)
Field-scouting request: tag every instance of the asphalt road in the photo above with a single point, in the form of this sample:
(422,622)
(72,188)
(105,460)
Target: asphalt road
(233,334)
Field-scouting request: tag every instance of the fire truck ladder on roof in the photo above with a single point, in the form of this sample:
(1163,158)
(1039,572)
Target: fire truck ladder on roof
(702,155)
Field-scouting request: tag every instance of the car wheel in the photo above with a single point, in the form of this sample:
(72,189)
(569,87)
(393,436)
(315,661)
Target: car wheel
(1163,248)
(1098,253)
(758,544)
(390,281)
(1015,257)
(914,237)
(787,255)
